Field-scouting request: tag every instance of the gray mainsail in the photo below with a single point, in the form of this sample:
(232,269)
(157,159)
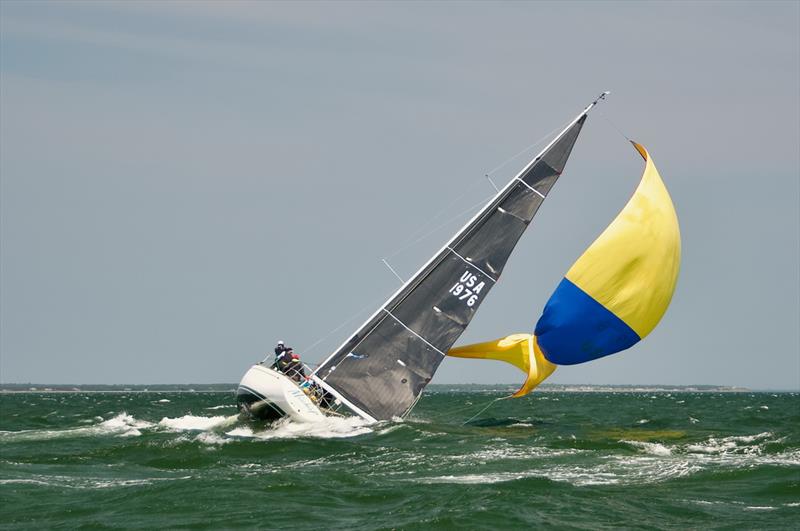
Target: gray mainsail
(381,370)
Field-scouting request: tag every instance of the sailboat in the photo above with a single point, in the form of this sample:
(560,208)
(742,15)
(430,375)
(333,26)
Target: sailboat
(381,370)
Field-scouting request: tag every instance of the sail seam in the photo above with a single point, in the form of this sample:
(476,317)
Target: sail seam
(416,334)
(531,188)
(490,277)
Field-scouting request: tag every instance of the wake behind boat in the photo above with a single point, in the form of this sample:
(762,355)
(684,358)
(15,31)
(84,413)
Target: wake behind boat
(613,296)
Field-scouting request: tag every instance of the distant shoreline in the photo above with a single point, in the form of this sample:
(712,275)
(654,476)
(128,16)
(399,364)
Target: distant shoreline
(6,388)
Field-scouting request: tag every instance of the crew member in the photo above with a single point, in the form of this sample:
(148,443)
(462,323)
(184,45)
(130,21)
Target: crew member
(283,359)
(295,369)
(279,348)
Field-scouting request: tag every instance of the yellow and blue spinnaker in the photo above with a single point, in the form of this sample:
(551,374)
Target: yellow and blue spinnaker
(613,295)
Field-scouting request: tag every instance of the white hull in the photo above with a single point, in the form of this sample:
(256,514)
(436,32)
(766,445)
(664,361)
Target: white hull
(270,395)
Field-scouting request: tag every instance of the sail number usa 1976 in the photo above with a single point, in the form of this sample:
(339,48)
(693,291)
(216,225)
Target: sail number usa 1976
(467,288)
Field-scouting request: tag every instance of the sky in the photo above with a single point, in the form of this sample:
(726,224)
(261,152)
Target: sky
(184,183)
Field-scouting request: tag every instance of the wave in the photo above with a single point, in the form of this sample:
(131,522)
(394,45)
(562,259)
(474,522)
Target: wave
(121,425)
(70,482)
(196,423)
(733,444)
(650,447)
(655,463)
(329,428)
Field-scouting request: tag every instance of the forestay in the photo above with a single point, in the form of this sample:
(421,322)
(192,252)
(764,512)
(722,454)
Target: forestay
(381,370)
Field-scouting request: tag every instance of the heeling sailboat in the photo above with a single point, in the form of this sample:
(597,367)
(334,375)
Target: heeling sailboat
(380,371)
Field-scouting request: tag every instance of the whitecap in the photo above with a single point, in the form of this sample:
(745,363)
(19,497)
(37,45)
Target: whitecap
(195,423)
(389,429)
(121,425)
(86,483)
(471,479)
(211,438)
(242,431)
(741,444)
(328,428)
(650,447)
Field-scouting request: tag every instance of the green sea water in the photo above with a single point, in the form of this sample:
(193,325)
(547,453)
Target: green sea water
(572,460)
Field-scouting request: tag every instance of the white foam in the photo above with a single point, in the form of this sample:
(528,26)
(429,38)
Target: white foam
(628,470)
(650,447)
(124,425)
(242,431)
(164,401)
(328,428)
(223,406)
(472,479)
(195,423)
(211,438)
(86,483)
(741,444)
(121,425)
(389,429)
(750,438)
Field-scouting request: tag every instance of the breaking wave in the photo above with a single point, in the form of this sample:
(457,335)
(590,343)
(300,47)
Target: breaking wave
(121,425)
(329,428)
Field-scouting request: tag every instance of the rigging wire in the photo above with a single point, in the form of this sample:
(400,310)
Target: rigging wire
(613,126)
(482,410)
(439,227)
(486,175)
(437,216)
(349,319)
(451,412)
(538,142)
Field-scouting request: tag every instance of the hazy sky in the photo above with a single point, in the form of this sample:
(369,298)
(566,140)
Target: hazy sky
(184,183)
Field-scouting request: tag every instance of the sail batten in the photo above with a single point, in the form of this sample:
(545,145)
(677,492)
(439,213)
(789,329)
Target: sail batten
(384,366)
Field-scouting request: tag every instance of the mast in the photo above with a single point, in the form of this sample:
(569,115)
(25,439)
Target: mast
(386,363)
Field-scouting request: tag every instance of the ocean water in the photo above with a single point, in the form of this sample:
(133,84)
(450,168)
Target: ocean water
(579,460)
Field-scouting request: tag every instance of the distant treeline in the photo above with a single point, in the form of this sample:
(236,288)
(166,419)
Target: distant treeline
(152,388)
(231,387)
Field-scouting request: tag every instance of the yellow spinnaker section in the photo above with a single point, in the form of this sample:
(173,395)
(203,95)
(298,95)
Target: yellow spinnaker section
(632,268)
(519,350)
